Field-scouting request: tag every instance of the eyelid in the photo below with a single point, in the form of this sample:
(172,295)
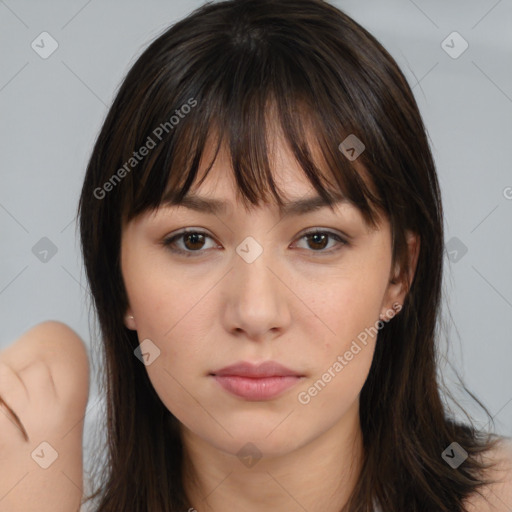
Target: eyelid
(343,239)
(170,239)
(312,230)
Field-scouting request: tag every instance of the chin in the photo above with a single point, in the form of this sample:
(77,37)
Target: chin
(249,440)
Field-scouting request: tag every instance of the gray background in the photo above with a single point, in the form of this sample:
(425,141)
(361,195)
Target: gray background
(52,109)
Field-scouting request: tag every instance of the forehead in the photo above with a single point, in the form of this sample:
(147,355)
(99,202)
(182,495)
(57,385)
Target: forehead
(261,169)
(218,195)
(216,191)
(288,175)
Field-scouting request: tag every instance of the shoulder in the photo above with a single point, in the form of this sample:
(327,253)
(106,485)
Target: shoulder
(497,496)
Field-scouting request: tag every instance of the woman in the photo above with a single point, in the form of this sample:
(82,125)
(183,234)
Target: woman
(262,232)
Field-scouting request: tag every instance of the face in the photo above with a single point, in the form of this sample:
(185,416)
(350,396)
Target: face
(254,286)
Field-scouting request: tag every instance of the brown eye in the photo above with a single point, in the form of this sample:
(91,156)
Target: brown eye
(317,241)
(196,240)
(191,242)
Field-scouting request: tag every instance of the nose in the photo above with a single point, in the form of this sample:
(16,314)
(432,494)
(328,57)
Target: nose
(257,300)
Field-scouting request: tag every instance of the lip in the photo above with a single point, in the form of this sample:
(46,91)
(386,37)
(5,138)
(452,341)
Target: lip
(255,370)
(256,382)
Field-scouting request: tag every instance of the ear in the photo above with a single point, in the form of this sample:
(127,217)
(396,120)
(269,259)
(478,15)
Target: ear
(399,283)
(129,320)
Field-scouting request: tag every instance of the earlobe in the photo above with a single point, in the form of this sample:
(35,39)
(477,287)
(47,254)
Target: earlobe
(391,312)
(399,284)
(129,321)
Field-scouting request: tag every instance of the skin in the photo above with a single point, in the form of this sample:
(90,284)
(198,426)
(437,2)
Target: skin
(44,375)
(496,497)
(44,378)
(294,305)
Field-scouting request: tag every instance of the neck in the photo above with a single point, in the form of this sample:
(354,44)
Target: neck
(317,476)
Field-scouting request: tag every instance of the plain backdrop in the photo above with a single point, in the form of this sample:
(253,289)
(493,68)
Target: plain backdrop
(457,58)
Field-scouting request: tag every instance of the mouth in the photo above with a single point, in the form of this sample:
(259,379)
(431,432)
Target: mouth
(259,382)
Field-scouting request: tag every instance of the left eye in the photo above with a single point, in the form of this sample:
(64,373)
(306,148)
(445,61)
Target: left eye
(194,241)
(320,240)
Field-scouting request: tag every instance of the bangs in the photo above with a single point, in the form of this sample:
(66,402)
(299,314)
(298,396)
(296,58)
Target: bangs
(245,91)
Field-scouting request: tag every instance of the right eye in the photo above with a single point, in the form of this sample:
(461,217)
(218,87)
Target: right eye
(192,242)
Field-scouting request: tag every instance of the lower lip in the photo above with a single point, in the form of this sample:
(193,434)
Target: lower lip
(264,388)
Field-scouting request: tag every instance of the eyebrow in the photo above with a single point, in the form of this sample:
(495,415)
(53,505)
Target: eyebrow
(216,206)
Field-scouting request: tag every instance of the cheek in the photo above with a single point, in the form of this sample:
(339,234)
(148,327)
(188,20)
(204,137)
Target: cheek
(340,367)
(350,308)
(160,299)
(169,312)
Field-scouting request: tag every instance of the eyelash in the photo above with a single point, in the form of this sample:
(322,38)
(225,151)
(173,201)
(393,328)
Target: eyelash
(168,242)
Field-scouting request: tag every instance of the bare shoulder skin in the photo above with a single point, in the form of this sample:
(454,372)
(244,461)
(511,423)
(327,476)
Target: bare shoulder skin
(44,380)
(496,497)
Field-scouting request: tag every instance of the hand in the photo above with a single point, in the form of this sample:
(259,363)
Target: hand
(44,380)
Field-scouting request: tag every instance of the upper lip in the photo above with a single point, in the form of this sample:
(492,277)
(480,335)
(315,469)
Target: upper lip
(265,369)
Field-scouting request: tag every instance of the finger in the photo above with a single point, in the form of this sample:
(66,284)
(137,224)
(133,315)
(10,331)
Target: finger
(29,396)
(12,388)
(38,381)
(13,398)
(13,418)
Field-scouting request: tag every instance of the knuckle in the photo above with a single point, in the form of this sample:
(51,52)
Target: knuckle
(11,387)
(37,377)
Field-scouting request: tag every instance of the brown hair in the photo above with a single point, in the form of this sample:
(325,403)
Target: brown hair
(323,74)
